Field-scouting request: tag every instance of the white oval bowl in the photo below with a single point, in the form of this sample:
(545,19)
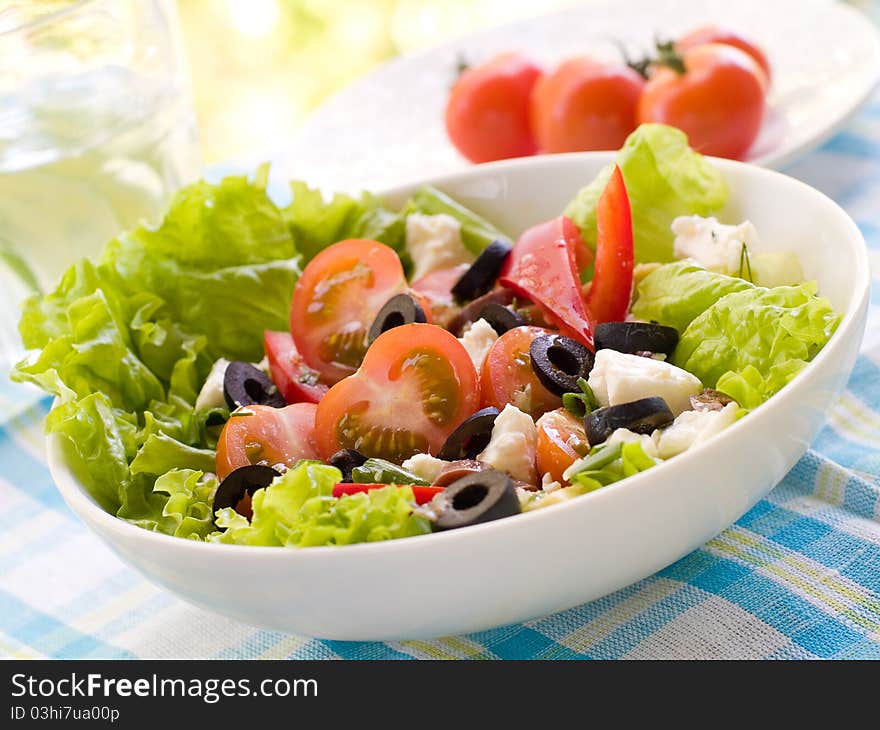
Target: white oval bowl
(558,557)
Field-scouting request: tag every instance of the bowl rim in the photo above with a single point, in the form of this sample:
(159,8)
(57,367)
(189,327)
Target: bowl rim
(85,506)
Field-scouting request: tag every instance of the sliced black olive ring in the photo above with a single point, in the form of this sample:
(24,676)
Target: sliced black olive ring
(401,309)
(483,273)
(639,416)
(244,480)
(245,385)
(479,497)
(346,460)
(631,337)
(471,437)
(559,362)
(500,318)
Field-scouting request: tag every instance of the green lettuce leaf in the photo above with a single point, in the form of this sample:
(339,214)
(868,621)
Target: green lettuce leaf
(476,231)
(187,512)
(298,510)
(751,343)
(606,465)
(665,178)
(676,294)
(315,222)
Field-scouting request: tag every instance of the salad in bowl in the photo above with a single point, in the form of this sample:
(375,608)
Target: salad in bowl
(329,372)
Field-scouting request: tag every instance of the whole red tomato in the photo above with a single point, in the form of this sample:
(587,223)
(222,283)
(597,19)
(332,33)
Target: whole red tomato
(585,105)
(487,113)
(717,34)
(717,100)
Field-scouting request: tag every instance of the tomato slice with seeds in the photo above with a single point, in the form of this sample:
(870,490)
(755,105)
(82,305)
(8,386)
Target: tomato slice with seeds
(336,300)
(269,436)
(297,382)
(507,375)
(416,385)
(561,441)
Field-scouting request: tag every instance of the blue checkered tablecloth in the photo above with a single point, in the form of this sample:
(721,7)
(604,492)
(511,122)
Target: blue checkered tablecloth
(796,577)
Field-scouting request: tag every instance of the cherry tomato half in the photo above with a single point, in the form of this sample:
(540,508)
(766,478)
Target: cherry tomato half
(416,385)
(269,436)
(561,441)
(507,375)
(718,102)
(487,113)
(335,301)
(716,34)
(297,382)
(585,105)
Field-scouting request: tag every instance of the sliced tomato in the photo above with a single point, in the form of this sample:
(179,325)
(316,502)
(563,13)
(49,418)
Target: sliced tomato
(507,375)
(561,441)
(336,300)
(416,385)
(423,495)
(610,291)
(437,285)
(268,436)
(297,382)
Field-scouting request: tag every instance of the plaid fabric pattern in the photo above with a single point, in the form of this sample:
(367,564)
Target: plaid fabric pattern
(798,577)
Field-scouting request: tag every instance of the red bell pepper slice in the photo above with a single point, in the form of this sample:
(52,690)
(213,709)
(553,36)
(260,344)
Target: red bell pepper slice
(297,382)
(609,294)
(543,268)
(422,494)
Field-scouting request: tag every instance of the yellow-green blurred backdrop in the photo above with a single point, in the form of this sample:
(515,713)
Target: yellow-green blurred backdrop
(260,66)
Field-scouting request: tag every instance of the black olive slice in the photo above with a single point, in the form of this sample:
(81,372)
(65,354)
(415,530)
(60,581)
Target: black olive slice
(244,480)
(245,385)
(346,460)
(483,273)
(479,497)
(500,318)
(639,416)
(471,437)
(634,337)
(399,310)
(471,312)
(559,362)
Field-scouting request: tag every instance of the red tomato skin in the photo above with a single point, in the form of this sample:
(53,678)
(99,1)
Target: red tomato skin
(422,495)
(610,292)
(585,105)
(296,380)
(487,113)
(543,268)
(716,34)
(719,101)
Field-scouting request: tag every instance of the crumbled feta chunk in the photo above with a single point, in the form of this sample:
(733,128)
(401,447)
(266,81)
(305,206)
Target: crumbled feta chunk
(549,484)
(425,466)
(434,242)
(714,245)
(693,427)
(513,445)
(211,394)
(625,436)
(477,340)
(618,377)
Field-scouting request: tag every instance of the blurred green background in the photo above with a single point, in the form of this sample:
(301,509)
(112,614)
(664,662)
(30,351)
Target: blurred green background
(260,66)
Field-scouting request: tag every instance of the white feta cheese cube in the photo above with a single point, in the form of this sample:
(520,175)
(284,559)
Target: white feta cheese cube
(425,466)
(434,242)
(618,377)
(513,445)
(478,340)
(713,244)
(693,427)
